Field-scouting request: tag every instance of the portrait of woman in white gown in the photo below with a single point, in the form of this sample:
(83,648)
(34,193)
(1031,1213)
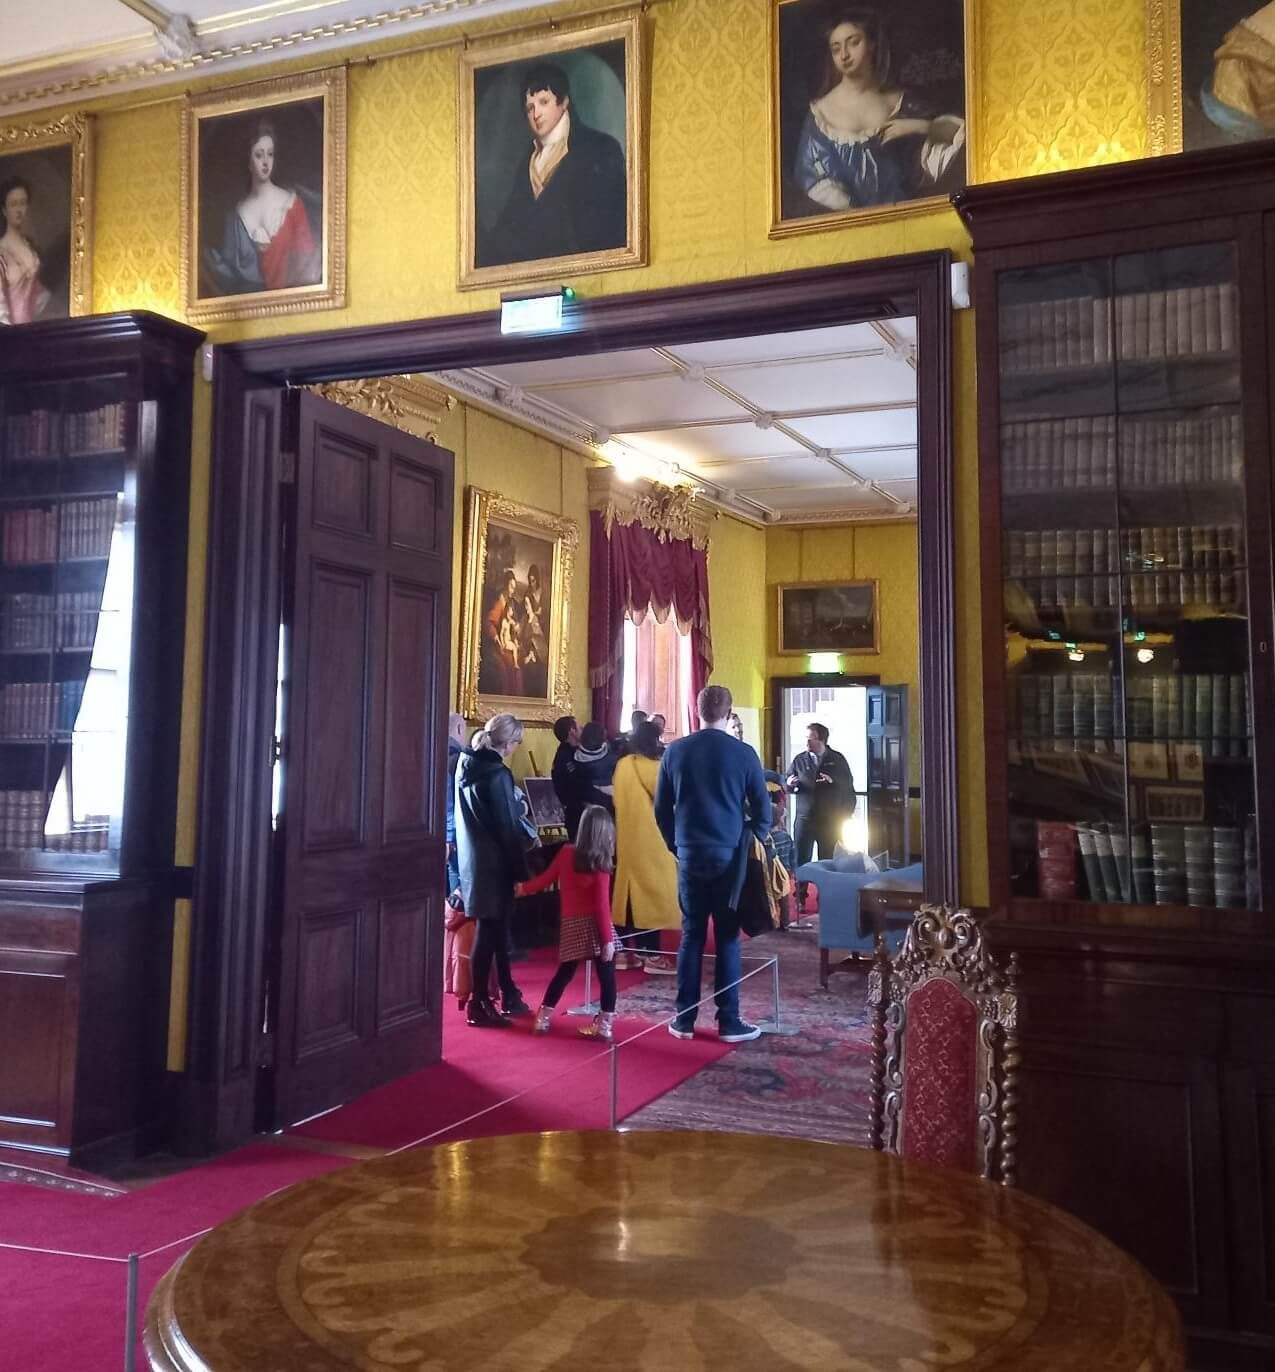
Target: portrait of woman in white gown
(867,121)
(1228,72)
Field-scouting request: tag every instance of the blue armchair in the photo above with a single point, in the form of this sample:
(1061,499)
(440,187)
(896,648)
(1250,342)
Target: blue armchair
(839,909)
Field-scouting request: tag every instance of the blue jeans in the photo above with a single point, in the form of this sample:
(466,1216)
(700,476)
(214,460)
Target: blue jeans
(702,894)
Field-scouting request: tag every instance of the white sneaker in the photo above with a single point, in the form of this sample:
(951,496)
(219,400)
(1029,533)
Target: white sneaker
(680,1033)
(743,1032)
(660,966)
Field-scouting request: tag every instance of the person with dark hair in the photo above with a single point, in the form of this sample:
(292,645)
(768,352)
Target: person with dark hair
(491,847)
(571,195)
(268,243)
(589,777)
(567,731)
(865,140)
(820,779)
(23,296)
(582,873)
(645,894)
(710,803)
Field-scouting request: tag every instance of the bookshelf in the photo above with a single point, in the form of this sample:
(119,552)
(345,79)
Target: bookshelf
(94,489)
(1123,473)
(1123,319)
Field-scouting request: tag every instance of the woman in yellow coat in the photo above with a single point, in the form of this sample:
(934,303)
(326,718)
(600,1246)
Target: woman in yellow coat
(645,895)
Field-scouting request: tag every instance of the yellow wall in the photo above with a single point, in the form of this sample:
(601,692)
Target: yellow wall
(1054,86)
(851,552)
(737,590)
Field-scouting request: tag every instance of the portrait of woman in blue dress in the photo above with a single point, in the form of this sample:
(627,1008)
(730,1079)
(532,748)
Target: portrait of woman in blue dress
(867,138)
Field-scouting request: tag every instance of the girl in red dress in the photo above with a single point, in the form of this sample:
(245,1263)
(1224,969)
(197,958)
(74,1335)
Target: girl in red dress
(582,873)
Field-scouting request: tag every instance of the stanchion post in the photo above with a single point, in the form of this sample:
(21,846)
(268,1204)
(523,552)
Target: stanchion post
(615,1088)
(590,1006)
(774,983)
(130,1316)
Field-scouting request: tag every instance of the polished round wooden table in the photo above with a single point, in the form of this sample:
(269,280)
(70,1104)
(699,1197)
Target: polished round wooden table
(655,1251)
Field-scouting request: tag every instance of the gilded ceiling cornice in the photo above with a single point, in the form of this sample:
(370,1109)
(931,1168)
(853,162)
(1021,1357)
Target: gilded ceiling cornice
(669,512)
(203,58)
(408,403)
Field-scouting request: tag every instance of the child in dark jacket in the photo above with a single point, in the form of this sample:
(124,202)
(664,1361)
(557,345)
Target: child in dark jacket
(582,873)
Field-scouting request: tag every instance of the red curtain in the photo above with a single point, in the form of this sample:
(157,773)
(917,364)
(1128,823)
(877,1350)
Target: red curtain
(630,572)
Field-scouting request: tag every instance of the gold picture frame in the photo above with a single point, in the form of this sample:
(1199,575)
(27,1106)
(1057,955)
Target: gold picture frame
(224,271)
(850,611)
(779,151)
(494,147)
(510,659)
(1189,42)
(55,156)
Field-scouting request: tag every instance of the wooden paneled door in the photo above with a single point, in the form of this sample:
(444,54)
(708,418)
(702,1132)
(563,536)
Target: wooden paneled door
(355,992)
(889,826)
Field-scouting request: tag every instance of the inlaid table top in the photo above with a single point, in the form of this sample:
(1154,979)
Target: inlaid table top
(655,1251)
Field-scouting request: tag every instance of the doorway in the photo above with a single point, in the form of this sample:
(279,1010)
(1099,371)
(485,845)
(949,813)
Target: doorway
(234,916)
(843,711)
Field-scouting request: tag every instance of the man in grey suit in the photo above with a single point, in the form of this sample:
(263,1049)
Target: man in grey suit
(710,800)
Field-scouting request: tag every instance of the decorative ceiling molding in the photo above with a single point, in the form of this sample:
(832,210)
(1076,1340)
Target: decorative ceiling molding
(179,47)
(409,403)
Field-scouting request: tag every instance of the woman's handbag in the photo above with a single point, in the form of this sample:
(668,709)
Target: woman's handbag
(765,883)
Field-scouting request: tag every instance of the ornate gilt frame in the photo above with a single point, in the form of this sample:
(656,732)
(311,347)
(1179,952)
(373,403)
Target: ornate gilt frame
(782,651)
(329,292)
(75,130)
(839,219)
(1164,76)
(948,943)
(481,509)
(564,38)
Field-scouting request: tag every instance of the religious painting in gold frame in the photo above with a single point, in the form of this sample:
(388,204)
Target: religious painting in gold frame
(904,69)
(1210,73)
(518,569)
(46,188)
(553,179)
(828,617)
(263,194)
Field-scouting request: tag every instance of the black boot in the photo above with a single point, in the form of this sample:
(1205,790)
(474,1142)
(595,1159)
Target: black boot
(482,1014)
(514,1005)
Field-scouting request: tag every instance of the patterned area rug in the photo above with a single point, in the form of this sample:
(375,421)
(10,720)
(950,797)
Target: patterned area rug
(813,1085)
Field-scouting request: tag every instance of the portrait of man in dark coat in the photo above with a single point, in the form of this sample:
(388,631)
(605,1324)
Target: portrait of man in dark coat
(569,191)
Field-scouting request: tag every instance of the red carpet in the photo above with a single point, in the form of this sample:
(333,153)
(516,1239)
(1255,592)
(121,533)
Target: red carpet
(562,1081)
(61,1312)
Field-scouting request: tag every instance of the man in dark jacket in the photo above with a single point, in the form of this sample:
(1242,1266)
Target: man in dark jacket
(710,801)
(821,780)
(567,731)
(571,193)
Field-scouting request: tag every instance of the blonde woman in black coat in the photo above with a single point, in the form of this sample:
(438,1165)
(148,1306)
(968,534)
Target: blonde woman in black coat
(491,851)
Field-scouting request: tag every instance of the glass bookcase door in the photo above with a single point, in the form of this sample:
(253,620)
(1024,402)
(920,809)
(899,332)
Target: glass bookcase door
(66,595)
(1124,578)
(1192,799)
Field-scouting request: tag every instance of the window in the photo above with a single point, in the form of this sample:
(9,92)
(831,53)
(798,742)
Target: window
(657,673)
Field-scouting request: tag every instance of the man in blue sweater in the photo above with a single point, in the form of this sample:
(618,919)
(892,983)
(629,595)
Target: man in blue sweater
(710,800)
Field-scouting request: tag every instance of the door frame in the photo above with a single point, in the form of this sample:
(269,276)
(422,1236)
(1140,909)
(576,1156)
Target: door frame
(231,910)
(780,684)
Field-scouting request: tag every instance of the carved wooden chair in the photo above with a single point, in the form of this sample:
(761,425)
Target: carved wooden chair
(945,1047)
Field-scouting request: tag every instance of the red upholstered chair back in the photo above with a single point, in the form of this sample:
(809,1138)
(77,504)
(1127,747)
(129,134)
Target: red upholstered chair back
(944,1033)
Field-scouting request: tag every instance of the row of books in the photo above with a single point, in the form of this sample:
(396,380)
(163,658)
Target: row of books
(1077,710)
(1071,454)
(1191,321)
(1158,548)
(90,837)
(32,709)
(37,435)
(67,620)
(22,818)
(1149,864)
(74,528)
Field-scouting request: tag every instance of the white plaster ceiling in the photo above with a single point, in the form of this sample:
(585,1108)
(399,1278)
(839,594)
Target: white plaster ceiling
(790,428)
(54,53)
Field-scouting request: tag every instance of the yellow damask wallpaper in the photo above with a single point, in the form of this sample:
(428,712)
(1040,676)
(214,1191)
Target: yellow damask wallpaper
(1053,86)
(887,552)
